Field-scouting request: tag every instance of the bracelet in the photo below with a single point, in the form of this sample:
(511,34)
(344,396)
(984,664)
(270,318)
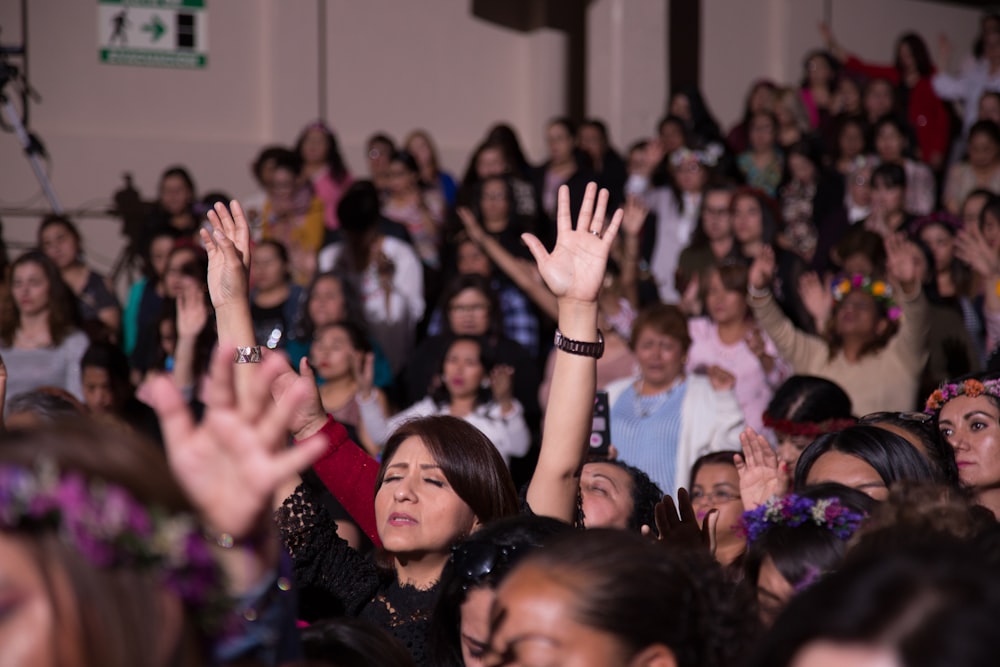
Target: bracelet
(595,350)
(755,293)
(247,355)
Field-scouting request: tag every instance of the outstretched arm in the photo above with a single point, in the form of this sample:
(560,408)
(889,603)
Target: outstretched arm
(573,272)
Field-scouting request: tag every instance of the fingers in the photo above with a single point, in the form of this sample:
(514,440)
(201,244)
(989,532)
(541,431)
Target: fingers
(536,248)
(612,231)
(597,220)
(175,419)
(256,399)
(709,529)
(670,515)
(686,508)
(583,221)
(219,392)
(298,458)
(564,217)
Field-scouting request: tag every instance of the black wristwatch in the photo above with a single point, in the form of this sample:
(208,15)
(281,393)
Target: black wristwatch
(595,350)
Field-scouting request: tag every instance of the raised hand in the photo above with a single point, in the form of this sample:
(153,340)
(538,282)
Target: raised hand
(192,312)
(760,474)
(574,270)
(681,528)
(816,298)
(228,248)
(364,373)
(902,263)
(233,461)
(471,225)
(721,379)
(298,394)
(762,270)
(634,215)
(971,248)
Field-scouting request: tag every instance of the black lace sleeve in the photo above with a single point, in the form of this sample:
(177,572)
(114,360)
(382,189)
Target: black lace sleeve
(332,578)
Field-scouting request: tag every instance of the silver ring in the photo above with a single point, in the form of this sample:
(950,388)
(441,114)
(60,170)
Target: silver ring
(597,234)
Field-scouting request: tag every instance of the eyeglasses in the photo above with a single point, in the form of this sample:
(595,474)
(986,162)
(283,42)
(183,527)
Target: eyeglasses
(875,417)
(476,561)
(714,497)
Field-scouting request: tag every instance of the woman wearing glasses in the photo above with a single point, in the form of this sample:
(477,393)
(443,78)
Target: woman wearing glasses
(715,485)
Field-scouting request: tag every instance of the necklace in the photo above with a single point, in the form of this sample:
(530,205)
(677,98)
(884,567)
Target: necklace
(644,410)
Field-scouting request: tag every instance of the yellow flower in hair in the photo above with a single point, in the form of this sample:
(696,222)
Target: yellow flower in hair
(844,287)
(878,288)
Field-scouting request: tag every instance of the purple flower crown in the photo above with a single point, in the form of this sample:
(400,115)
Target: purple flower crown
(793,511)
(949,390)
(110,528)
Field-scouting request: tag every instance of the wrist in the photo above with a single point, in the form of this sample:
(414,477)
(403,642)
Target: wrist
(578,319)
(311,428)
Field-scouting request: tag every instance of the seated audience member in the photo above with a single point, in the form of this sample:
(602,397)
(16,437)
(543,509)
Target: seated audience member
(763,162)
(410,203)
(874,345)
(981,171)
(420,145)
(664,419)
(470,387)
(802,409)
(730,339)
(608,165)
(566,165)
(293,216)
(323,166)
(44,406)
(762,96)
(715,486)
(39,341)
(380,148)
(108,392)
(175,204)
(892,147)
(262,169)
(145,297)
(385,271)
(275,301)
(493,158)
(100,314)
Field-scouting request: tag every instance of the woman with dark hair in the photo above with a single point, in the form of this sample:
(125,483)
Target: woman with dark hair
(808,195)
(803,408)
(763,162)
(100,314)
(861,349)
(470,387)
(820,71)
(712,240)
(460,631)
(504,134)
(493,158)
(420,145)
(175,202)
(145,297)
(866,458)
(688,104)
(980,171)
(566,165)
(323,166)
(576,602)
(912,74)
(967,413)
(293,215)
(275,301)
(385,272)
(381,148)
(890,191)
(762,96)
(850,144)
(892,147)
(421,210)
(794,541)
(109,394)
(920,431)
(989,106)
(39,342)
(470,308)
(715,486)
(729,338)
(609,167)
(878,99)
(351,642)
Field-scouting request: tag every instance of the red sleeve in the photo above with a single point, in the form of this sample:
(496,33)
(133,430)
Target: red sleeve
(349,473)
(930,120)
(874,71)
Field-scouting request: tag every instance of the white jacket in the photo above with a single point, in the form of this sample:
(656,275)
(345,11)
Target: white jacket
(710,421)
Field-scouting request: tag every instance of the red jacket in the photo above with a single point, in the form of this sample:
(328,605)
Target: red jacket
(926,112)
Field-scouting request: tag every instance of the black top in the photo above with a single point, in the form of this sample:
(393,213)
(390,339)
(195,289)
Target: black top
(335,580)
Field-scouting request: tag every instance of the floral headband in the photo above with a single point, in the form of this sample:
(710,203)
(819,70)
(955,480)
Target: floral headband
(794,511)
(110,528)
(708,157)
(808,428)
(880,290)
(949,390)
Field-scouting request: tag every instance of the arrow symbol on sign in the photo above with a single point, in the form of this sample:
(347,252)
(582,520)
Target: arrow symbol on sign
(155,27)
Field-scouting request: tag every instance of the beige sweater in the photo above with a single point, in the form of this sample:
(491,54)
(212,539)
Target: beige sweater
(885,380)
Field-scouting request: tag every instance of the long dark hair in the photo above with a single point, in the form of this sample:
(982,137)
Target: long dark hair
(921,55)
(481,285)
(441,396)
(63,313)
(353,309)
(334,160)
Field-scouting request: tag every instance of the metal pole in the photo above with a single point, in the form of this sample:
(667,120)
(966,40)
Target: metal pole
(29,150)
(321,51)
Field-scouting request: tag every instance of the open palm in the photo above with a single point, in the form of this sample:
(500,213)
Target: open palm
(233,461)
(575,268)
(228,248)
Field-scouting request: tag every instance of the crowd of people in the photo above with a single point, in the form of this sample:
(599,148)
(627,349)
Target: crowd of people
(728,398)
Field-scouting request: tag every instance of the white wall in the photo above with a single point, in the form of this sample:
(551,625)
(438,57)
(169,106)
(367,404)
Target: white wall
(392,65)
